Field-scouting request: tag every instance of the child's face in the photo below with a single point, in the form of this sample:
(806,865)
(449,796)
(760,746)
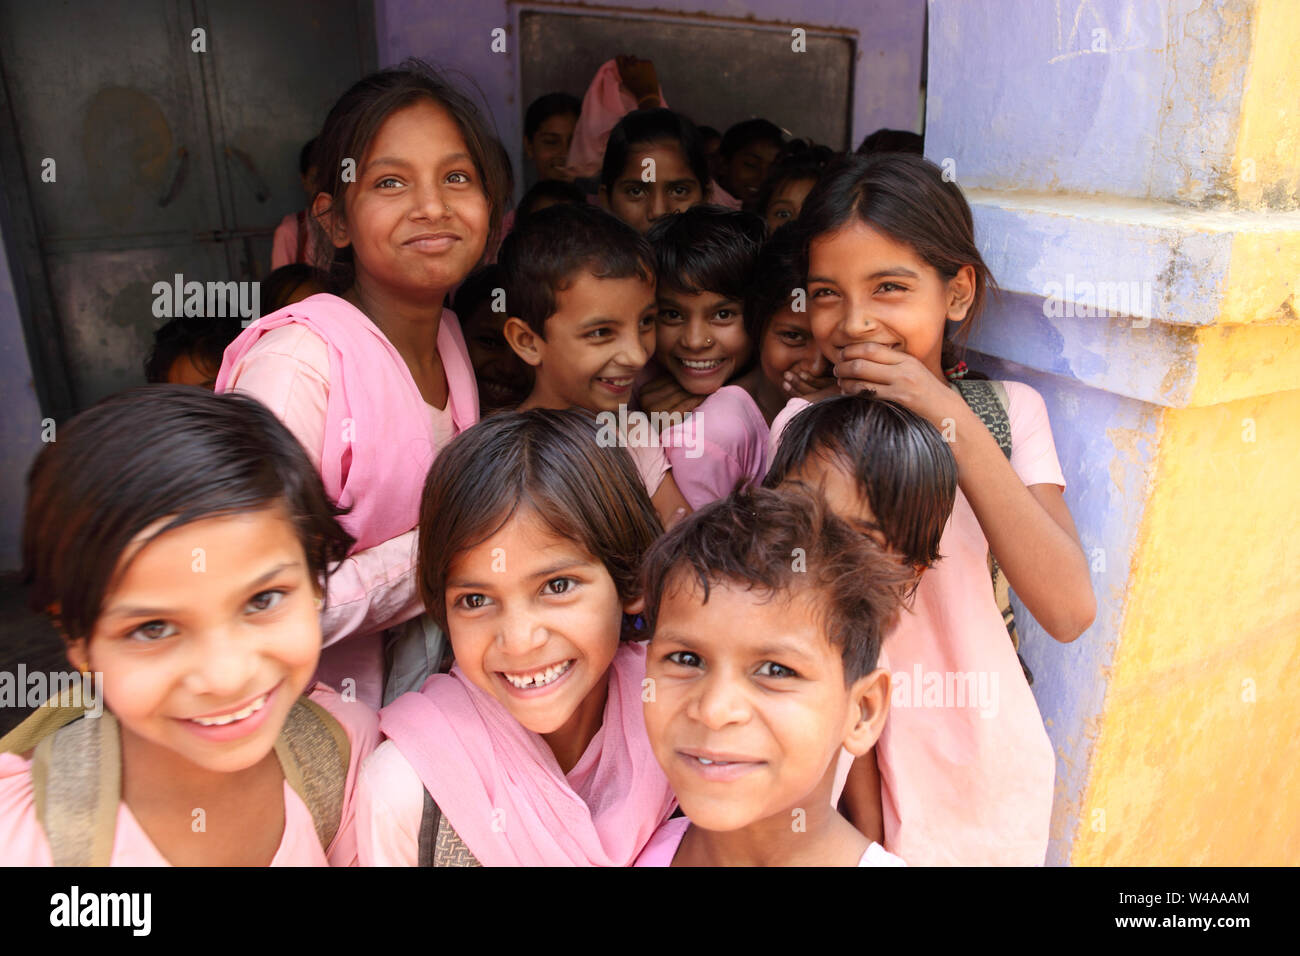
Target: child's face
(865,287)
(549,147)
(750,682)
(211,619)
(786,202)
(191,369)
(503,379)
(673,188)
(600,336)
(788,346)
(417,216)
(700,339)
(745,171)
(528,607)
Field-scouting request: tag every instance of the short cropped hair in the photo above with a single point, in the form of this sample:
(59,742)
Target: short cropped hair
(755,537)
(707,249)
(903,467)
(750,131)
(151,453)
(544,253)
(556,190)
(778,271)
(551,463)
(546,106)
(197,336)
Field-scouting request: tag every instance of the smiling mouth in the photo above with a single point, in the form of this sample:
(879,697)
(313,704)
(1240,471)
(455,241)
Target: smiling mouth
(618,384)
(531,680)
(702,365)
(234,716)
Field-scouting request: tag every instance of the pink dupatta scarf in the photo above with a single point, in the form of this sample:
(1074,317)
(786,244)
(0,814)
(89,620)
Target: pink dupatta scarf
(379,439)
(606,102)
(502,790)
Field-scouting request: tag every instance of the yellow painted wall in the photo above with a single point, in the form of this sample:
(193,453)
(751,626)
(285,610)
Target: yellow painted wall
(1188,768)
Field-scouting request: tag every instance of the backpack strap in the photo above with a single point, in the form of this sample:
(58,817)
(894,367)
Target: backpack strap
(988,400)
(314,752)
(439,843)
(40,723)
(77,786)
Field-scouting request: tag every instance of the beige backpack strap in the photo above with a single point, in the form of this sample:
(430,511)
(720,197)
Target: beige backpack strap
(40,723)
(439,843)
(314,752)
(77,786)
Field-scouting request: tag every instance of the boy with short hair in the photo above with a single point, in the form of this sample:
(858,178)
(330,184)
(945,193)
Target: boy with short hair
(766,613)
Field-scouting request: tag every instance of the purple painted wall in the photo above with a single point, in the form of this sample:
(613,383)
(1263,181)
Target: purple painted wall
(457,35)
(20,425)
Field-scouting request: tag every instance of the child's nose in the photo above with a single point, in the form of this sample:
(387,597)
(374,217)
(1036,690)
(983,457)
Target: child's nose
(696,336)
(632,353)
(659,204)
(430,201)
(521,633)
(817,365)
(721,702)
(223,666)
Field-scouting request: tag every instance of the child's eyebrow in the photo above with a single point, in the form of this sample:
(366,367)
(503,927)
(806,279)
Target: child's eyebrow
(894,271)
(124,612)
(406,164)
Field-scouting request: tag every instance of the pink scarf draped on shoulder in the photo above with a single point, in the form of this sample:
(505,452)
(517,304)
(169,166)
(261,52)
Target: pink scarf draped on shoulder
(502,790)
(606,102)
(379,440)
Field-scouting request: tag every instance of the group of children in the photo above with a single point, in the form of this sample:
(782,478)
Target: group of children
(393,596)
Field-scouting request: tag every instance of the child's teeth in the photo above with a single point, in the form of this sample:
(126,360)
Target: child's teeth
(248,711)
(712,363)
(539,678)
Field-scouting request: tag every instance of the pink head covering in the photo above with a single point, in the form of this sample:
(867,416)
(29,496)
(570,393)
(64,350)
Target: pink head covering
(502,790)
(378,431)
(607,101)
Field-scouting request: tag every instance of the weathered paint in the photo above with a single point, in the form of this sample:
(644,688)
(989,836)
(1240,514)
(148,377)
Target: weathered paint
(20,425)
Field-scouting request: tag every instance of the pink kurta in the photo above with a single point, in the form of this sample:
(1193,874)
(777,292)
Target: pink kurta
(23,842)
(723,441)
(967,785)
(664,844)
(606,102)
(372,441)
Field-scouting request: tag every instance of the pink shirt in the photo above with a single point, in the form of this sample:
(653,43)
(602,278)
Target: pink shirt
(720,197)
(967,770)
(288,245)
(723,441)
(23,842)
(663,847)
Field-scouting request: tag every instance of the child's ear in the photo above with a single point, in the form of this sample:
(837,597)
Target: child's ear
(868,709)
(322,210)
(78,655)
(635,607)
(961,293)
(524,341)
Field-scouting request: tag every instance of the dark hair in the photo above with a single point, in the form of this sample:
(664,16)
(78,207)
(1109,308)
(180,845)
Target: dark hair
(306,157)
(152,453)
(476,290)
(750,131)
(906,197)
(891,141)
(806,164)
(281,283)
(752,538)
(551,463)
(197,336)
(555,190)
(546,106)
(778,271)
(641,127)
(357,117)
(903,467)
(542,254)
(707,133)
(707,249)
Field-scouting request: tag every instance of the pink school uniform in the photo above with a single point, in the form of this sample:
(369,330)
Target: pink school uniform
(23,842)
(292,241)
(606,102)
(325,370)
(724,440)
(720,197)
(664,844)
(966,785)
(499,785)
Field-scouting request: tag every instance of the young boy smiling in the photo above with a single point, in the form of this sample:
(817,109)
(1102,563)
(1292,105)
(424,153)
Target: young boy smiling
(580,294)
(762,662)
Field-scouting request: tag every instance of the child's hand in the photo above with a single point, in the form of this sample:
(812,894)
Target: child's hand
(801,383)
(663,394)
(897,376)
(640,79)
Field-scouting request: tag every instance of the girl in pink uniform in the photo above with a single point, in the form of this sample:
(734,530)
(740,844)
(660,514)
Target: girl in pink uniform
(891,260)
(376,379)
(704,349)
(180,540)
(533,749)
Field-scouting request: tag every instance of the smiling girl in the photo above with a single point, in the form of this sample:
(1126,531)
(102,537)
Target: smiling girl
(532,751)
(180,540)
(375,380)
